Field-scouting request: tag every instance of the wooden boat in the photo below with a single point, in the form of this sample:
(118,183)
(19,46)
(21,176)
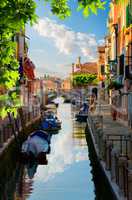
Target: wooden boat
(50,122)
(51,107)
(36,146)
(81,117)
(83,113)
(51,130)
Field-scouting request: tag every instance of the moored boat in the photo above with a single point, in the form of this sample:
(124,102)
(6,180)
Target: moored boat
(36,146)
(50,122)
(83,113)
(81,117)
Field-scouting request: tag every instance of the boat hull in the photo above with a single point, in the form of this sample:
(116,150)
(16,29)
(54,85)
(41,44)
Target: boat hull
(37,145)
(81,118)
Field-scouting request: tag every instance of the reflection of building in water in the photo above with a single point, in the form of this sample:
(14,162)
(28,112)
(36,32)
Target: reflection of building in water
(24,187)
(14,183)
(78,129)
(78,133)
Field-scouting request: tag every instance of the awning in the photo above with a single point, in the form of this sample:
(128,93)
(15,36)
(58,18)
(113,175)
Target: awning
(28,68)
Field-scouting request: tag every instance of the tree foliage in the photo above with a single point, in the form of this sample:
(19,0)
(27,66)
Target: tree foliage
(14,14)
(62,8)
(84,79)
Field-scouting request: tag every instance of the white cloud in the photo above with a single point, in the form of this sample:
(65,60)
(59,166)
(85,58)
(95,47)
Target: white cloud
(66,40)
(63,154)
(101,42)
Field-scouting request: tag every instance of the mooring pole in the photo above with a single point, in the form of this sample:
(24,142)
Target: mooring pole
(13,128)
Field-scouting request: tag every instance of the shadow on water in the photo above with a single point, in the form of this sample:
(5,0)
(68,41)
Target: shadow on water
(11,168)
(102,187)
(9,172)
(16,178)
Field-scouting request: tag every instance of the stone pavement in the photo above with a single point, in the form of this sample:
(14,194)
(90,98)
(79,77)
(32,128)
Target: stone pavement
(109,125)
(114,130)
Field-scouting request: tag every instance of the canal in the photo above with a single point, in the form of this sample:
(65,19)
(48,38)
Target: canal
(68,174)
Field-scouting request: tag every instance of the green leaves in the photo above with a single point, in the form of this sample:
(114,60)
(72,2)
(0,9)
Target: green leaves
(14,14)
(3,112)
(84,79)
(90,6)
(60,8)
(86,11)
(9,102)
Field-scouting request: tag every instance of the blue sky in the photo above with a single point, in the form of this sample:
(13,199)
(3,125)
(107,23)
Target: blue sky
(55,44)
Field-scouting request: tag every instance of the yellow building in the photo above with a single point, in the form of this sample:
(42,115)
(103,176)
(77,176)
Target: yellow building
(66,84)
(101,63)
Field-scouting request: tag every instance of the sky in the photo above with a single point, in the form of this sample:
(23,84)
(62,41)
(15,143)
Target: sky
(55,44)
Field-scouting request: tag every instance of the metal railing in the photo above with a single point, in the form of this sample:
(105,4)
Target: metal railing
(117,154)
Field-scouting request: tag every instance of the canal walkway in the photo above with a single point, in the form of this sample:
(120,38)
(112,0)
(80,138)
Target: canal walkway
(113,144)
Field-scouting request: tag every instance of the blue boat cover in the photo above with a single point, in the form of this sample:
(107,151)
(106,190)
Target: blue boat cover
(42,135)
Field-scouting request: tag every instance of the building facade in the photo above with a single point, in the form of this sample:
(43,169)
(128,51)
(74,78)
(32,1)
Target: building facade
(118,58)
(66,84)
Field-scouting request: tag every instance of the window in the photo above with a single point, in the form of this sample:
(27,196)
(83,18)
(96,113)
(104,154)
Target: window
(121,65)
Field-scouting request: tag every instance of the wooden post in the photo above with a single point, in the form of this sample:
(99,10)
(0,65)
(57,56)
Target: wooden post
(1,138)
(130,184)
(122,164)
(13,129)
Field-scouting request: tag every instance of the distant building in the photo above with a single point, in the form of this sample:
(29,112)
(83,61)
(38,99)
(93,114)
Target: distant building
(52,83)
(86,68)
(101,63)
(66,84)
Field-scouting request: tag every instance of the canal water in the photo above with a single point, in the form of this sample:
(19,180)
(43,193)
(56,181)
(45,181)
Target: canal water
(67,174)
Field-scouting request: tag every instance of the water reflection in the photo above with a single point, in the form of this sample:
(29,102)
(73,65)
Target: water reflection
(68,173)
(66,147)
(31,169)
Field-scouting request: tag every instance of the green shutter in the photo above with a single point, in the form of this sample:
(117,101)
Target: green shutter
(129,14)
(130,11)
